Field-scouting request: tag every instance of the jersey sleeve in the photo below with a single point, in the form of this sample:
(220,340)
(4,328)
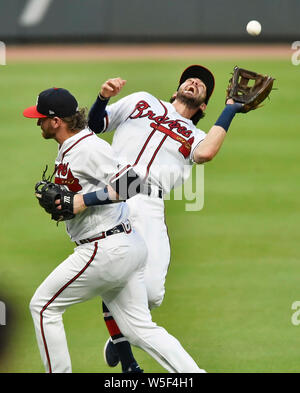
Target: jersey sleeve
(199,136)
(96,162)
(103,164)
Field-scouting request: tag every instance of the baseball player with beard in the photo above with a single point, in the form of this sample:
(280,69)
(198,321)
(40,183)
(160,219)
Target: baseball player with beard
(158,141)
(110,256)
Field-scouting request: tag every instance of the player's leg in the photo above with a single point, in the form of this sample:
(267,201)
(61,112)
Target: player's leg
(65,286)
(117,348)
(93,268)
(131,312)
(147,217)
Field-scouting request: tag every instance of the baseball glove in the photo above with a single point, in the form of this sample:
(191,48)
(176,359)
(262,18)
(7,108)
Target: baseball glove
(47,193)
(249,88)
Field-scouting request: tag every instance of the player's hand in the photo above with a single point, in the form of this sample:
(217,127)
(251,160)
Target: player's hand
(238,105)
(78,204)
(112,87)
(230,101)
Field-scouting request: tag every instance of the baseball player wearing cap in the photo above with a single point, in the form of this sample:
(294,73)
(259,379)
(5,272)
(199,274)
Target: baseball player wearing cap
(159,140)
(110,256)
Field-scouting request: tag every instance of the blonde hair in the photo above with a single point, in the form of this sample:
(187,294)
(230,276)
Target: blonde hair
(78,121)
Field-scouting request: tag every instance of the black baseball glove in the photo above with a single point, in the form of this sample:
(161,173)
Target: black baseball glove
(249,88)
(47,193)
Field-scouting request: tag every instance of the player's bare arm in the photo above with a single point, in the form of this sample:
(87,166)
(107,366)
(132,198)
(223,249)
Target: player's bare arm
(79,205)
(210,146)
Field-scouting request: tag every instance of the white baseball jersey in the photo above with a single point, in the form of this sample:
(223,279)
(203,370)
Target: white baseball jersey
(85,163)
(151,136)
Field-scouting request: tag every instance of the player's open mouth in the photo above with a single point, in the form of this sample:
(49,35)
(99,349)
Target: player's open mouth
(191,90)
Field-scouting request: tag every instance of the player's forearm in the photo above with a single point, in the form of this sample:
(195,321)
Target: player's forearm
(104,196)
(213,142)
(210,146)
(123,185)
(97,115)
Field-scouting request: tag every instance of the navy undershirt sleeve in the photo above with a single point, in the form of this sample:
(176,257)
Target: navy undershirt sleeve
(97,114)
(100,197)
(227,115)
(126,186)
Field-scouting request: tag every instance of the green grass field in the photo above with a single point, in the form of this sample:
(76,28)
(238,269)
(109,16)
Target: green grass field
(235,268)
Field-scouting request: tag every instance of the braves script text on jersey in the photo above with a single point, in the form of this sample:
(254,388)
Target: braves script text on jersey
(151,136)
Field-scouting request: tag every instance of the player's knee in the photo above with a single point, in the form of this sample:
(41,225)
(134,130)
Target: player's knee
(155,297)
(153,303)
(35,306)
(155,291)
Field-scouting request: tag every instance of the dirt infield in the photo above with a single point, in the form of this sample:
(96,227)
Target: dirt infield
(147,51)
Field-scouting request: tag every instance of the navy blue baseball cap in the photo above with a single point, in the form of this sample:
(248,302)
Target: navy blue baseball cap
(53,102)
(200,72)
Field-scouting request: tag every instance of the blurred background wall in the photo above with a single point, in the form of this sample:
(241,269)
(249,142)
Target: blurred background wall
(23,21)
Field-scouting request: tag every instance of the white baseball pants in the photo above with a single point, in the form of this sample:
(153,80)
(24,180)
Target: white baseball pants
(113,269)
(147,216)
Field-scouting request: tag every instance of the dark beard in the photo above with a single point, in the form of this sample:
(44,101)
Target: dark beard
(189,102)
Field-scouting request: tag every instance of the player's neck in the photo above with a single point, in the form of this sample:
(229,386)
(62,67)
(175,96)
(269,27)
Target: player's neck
(63,134)
(183,110)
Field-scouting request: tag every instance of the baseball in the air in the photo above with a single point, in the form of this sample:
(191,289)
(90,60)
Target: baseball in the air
(253,27)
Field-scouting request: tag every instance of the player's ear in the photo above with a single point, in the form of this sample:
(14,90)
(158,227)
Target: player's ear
(203,107)
(56,122)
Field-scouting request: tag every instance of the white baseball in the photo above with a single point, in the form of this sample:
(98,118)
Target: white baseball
(253,27)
